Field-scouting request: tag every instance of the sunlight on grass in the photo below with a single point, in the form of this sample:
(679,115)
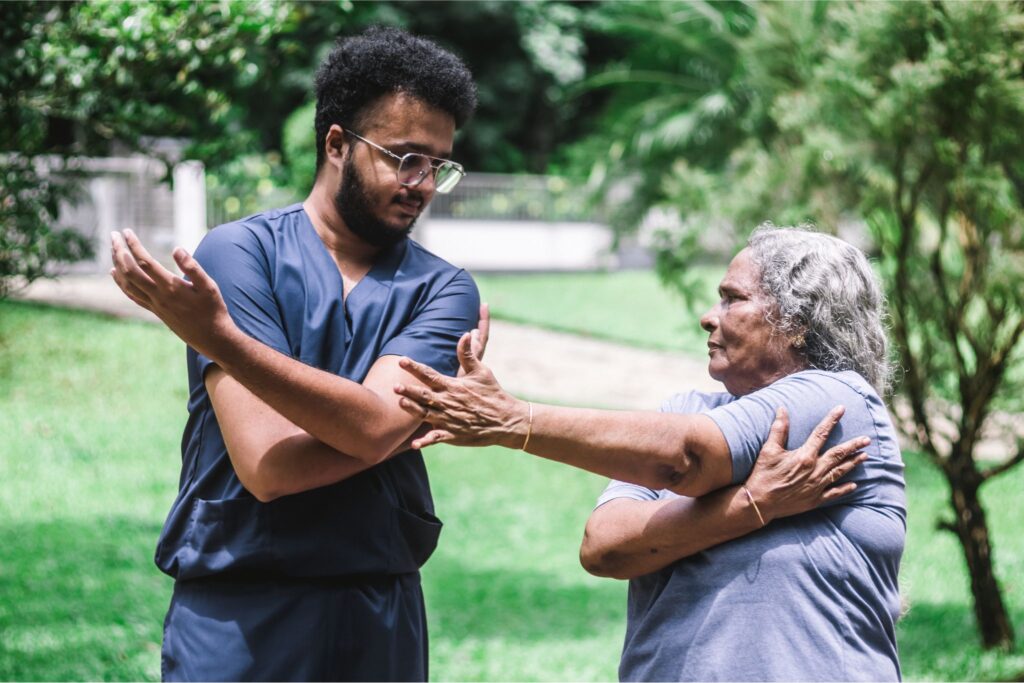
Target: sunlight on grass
(631,306)
(91,411)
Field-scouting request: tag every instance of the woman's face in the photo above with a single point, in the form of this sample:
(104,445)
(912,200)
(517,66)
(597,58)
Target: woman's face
(746,353)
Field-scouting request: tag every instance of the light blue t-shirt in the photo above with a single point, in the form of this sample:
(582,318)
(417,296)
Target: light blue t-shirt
(809,597)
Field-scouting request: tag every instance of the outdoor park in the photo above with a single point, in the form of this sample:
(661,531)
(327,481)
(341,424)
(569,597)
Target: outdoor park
(894,124)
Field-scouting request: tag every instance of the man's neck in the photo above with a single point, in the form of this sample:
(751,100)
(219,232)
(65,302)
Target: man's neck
(342,244)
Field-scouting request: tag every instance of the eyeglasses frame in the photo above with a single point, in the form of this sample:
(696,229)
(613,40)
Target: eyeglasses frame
(457,167)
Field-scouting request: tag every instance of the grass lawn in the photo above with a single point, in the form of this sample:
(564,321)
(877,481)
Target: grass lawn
(91,411)
(625,306)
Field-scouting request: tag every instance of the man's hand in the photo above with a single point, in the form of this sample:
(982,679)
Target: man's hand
(787,483)
(193,309)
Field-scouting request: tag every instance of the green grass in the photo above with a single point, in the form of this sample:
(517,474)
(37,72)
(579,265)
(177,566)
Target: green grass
(91,411)
(631,307)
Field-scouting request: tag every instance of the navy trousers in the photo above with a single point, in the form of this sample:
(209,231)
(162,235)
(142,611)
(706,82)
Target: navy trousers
(248,629)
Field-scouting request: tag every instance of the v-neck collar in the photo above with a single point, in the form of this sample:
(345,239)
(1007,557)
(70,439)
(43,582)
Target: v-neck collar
(381,273)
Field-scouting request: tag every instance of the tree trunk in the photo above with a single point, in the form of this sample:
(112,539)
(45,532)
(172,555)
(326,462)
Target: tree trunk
(972,530)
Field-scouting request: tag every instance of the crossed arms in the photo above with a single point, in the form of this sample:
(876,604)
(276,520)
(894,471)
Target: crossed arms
(279,417)
(281,426)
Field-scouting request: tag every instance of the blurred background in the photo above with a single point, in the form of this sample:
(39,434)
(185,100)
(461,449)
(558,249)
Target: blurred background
(620,154)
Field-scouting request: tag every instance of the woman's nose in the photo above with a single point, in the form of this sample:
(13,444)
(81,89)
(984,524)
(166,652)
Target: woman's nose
(709,321)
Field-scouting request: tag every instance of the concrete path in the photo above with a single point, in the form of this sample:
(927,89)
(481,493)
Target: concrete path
(530,362)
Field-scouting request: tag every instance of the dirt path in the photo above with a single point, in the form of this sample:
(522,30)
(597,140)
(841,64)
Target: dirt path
(530,362)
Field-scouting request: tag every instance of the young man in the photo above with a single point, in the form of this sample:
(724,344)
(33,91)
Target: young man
(302,518)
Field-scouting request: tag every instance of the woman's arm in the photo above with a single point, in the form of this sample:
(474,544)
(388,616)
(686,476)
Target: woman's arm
(626,538)
(684,453)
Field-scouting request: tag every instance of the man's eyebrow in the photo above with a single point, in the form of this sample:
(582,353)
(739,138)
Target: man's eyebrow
(421,148)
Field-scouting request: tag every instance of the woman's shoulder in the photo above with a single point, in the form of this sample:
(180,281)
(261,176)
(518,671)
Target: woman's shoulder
(812,385)
(693,402)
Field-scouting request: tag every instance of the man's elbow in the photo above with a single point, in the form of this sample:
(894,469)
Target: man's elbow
(260,489)
(377,446)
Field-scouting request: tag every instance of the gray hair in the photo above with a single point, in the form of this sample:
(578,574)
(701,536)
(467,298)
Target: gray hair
(825,290)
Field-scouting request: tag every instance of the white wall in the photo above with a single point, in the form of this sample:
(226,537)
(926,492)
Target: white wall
(518,245)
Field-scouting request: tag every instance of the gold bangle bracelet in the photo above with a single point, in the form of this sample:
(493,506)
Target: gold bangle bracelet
(756,509)
(529,427)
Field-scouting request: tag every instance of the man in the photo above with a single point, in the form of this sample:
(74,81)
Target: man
(302,518)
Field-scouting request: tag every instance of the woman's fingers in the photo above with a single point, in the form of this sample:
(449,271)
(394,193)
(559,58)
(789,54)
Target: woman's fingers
(779,432)
(428,375)
(483,332)
(467,357)
(432,437)
(843,452)
(835,492)
(411,403)
(821,433)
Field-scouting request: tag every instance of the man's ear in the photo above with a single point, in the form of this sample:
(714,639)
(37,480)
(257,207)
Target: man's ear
(335,143)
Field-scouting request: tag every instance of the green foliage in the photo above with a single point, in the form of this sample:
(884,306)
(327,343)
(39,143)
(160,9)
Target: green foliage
(629,307)
(29,244)
(90,465)
(299,146)
(72,78)
(899,120)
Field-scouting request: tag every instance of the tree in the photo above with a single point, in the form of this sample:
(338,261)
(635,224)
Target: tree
(83,78)
(903,118)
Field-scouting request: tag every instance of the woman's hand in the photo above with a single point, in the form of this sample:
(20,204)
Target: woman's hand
(471,410)
(785,483)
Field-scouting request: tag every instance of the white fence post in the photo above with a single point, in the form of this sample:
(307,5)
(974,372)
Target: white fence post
(189,204)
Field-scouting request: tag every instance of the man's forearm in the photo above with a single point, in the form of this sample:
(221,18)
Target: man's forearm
(625,539)
(343,414)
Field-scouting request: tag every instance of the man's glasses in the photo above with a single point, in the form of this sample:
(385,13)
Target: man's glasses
(413,168)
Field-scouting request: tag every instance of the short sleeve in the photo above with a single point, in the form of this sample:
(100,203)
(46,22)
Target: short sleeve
(689,402)
(237,261)
(622,489)
(807,397)
(432,336)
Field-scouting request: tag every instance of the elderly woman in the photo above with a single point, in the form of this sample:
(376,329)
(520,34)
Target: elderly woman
(722,585)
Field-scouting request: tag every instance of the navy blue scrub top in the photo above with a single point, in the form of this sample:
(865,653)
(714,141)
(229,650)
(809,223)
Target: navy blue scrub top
(282,288)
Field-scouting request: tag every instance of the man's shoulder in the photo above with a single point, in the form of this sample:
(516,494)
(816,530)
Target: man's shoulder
(421,262)
(256,229)
(421,256)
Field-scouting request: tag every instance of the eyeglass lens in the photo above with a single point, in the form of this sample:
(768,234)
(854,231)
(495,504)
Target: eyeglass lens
(415,167)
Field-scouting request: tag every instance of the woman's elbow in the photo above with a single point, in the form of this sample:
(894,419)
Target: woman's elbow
(600,558)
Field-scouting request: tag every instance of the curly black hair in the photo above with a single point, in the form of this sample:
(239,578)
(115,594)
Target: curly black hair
(384,60)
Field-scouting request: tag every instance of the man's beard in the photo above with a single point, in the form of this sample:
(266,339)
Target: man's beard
(354,207)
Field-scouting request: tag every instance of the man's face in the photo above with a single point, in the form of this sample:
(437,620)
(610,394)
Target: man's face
(369,198)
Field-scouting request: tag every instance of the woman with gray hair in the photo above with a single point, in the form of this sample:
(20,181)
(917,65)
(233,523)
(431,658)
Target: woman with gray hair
(730,578)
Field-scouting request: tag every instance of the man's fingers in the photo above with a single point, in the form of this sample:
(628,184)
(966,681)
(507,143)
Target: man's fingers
(147,264)
(133,293)
(820,433)
(426,374)
(197,277)
(780,430)
(125,263)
